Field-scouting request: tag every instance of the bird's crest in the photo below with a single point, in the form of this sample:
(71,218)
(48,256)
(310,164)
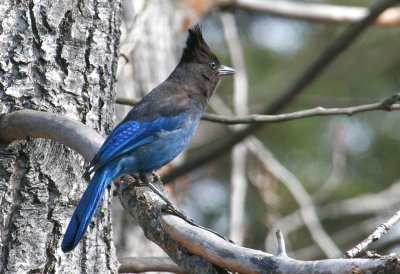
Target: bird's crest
(196,48)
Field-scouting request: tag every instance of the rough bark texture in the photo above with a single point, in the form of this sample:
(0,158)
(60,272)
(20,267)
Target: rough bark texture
(55,56)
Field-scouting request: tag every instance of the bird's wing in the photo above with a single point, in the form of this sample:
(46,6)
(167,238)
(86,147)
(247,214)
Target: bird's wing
(131,135)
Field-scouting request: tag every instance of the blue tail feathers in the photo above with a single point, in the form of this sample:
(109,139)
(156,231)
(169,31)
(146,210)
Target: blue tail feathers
(85,210)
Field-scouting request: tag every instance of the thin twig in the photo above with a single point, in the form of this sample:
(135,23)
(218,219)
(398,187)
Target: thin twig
(376,235)
(314,12)
(318,111)
(338,165)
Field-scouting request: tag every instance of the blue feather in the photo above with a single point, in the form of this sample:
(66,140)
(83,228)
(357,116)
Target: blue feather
(85,210)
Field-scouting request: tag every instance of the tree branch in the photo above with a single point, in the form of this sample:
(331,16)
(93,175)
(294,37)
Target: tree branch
(386,105)
(314,12)
(38,124)
(244,260)
(220,146)
(376,235)
(238,156)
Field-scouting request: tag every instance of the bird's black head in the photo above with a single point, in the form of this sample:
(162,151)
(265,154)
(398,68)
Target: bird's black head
(203,62)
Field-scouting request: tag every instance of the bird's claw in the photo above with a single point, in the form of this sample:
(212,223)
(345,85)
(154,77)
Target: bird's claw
(155,178)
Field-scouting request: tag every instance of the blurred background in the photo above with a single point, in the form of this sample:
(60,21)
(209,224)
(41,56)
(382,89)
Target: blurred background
(325,182)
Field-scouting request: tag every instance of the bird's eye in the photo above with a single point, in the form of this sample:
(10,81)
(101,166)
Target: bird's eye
(213,65)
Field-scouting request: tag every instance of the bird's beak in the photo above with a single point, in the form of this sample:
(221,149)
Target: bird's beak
(224,70)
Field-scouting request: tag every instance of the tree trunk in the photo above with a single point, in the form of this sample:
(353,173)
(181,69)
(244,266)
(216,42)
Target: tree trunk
(55,56)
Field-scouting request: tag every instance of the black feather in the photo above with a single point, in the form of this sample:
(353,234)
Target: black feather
(196,49)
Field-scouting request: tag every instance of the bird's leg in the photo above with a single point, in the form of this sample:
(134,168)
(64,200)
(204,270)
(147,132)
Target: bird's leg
(138,180)
(144,177)
(155,177)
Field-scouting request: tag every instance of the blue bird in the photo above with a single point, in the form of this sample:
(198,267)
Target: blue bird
(154,132)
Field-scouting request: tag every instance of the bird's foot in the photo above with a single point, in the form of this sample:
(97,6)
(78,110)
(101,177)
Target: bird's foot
(155,178)
(148,179)
(171,209)
(159,193)
(139,181)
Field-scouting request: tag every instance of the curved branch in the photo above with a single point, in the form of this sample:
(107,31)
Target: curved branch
(244,260)
(59,128)
(314,12)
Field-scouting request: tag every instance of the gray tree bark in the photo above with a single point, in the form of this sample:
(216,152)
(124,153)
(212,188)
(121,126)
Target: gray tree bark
(55,56)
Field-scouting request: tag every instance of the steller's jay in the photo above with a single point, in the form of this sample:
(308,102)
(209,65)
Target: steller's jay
(154,132)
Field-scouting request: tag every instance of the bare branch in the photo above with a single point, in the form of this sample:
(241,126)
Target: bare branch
(338,165)
(244,260)
(315,12)
(238,155)
(388,104)
(129,265)
(38,124)
(376,235)
(318,111)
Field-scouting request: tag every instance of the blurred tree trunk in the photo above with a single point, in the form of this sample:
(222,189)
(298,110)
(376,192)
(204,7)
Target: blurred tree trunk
(55,56)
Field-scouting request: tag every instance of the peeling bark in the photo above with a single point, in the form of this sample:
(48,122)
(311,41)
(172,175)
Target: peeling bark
(60,57)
